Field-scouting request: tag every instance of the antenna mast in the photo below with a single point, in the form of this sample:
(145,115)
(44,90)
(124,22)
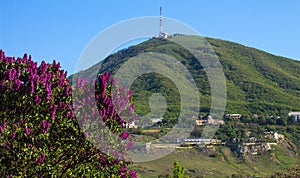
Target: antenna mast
(160,23)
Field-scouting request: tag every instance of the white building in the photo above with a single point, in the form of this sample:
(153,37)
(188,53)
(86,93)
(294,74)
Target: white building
(197,141)
(235,116)
(211,121)
(156,120)
(295,116)
(130,125)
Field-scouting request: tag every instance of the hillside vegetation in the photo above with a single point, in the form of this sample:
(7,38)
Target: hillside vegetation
(257,82)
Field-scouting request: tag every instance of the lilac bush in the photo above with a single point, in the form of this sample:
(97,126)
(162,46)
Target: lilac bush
(39,133)
(115,108)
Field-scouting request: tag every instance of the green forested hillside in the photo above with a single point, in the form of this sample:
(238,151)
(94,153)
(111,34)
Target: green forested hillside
(257,82)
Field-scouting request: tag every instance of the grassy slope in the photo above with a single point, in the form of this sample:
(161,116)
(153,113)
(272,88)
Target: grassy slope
(225,164)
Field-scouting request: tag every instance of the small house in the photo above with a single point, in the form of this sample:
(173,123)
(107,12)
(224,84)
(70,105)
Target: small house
(234,116)
(295,116)
(156,120)
(130,125)
(200,122)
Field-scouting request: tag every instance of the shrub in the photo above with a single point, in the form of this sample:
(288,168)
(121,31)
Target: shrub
(39,134)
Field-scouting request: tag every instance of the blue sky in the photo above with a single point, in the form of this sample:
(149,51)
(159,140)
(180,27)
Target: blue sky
(61,29)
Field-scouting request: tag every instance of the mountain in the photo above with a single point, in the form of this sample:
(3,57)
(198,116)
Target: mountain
(257,82)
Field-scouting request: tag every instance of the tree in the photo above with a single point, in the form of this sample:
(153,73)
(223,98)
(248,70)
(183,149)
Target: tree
(271,121)
(262,120)
(254,120)
(39,134)
(245,119)
(178,170)
(281,121)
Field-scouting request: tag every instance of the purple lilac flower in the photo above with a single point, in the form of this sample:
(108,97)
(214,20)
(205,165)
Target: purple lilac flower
(86,134)
(12,136)
(83,101)
(54,63)
(121,121)
(18,71)
(45,126)
(7,74)
(72,114)
(131,108)
(42,158)
(27,131)
(17,84)
(37,100)
(60,104)
(66,91)
(12,74)
(25,56)
(83,82)
(129,93)
(5,145)
(133,174)
(3,126)
(2,84)
(31,88)
(53,112)
(48,90)
(58,65)
(124,135)
(122,170)
(116,161)
(102,159)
